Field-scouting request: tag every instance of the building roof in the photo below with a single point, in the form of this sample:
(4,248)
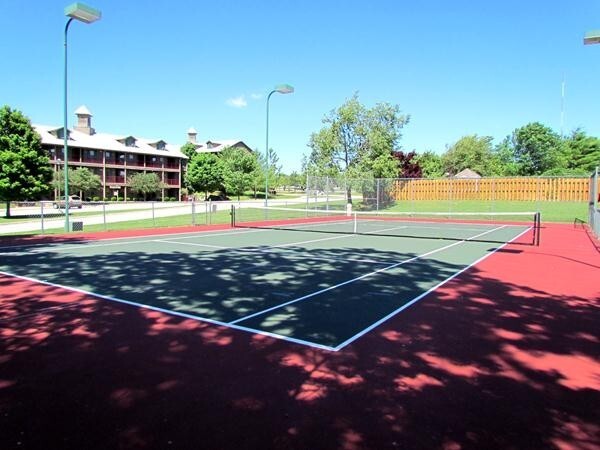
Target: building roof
(467,173)
(217,146)
(103,141)
(83,111)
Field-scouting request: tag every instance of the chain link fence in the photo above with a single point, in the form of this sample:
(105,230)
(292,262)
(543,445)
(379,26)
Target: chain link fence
(445,194)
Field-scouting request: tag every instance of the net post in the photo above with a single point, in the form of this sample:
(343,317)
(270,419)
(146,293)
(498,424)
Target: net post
(538,228)
(232,213)
(355,222)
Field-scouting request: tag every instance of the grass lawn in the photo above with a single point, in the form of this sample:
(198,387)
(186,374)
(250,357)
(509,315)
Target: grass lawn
(550,211)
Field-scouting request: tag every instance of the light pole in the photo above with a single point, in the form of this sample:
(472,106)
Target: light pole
(84,14)
(281,89)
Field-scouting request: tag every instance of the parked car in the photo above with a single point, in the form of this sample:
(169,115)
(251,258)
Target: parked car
(217,197)
(74,202)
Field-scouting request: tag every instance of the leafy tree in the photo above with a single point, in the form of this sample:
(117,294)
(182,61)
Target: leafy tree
(145,183)
(189,150)
(204,173)
(582,152)
(504,162)
(238,167)
(296,179)
(25,172)
(356,141)
(469,152)
(408,164)
(84,180)
(537,149)
(430,164)
(58,180)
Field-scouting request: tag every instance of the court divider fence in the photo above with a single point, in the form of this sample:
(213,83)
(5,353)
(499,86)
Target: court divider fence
(445,194)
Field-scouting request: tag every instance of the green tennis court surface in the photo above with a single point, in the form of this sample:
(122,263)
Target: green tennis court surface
(315,288)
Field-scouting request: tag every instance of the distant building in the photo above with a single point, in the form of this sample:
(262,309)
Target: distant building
(467,173)
(114,158)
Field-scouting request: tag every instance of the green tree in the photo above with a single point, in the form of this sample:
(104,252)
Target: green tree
(582,152)
(469,152)
(356,141)
(431,164)
(25,172)
(504,162)
(58,181)
(296,179)
(189,150)
(145,183)
(537,149)
(84,180)
(238,168)
(204,173)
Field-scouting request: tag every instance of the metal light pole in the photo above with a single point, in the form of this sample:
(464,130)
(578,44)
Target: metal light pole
(84,14)
(281,89)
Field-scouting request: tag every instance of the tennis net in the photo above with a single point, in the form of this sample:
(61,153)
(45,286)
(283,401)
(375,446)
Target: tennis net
(499,227)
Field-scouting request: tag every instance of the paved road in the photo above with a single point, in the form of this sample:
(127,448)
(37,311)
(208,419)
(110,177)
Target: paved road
(111,212)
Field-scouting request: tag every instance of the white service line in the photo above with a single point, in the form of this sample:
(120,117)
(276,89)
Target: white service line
(132,240)
(193,244)
(383,269)
(175,313)
(420,296)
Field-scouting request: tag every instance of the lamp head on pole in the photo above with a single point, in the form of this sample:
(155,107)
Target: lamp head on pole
(592,37)
(83,13)
(284,89)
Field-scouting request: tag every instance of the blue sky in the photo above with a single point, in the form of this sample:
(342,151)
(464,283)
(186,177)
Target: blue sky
(154,69)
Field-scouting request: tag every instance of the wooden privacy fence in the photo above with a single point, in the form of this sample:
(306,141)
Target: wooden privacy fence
(517,188)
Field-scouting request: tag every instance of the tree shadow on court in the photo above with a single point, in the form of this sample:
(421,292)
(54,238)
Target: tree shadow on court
(480,363)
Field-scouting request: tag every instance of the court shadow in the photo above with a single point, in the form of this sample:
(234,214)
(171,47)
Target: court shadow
(483,362)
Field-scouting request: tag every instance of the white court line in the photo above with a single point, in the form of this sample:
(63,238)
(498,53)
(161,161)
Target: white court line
(175,313)
(193,244)
(375,272)
(132,240)
(419,297)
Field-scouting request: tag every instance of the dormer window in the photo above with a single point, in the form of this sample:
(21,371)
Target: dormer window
(159,145)
(128,141)
(60,134)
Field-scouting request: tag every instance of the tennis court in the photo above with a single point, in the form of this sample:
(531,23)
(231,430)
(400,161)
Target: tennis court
(317,278)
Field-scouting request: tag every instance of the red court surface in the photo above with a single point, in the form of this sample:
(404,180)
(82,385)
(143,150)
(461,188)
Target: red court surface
(505,356)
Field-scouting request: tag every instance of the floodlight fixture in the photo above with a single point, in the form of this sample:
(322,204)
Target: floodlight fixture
(83,13)
(592,37)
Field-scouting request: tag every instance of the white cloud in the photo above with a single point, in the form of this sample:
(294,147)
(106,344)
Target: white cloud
(256,96)
(237,102)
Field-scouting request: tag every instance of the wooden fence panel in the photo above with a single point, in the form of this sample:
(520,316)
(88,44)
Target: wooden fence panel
(489,189)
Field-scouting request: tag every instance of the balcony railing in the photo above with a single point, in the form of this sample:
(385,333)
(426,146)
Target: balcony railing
(115,162)
(172,182)
(172,165)
(114,179)
(91,160)
(153,164)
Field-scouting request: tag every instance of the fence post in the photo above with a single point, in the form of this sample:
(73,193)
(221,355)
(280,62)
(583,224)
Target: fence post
(327,193)
(104,216)
(42,213)
(193,213)
(153,223)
